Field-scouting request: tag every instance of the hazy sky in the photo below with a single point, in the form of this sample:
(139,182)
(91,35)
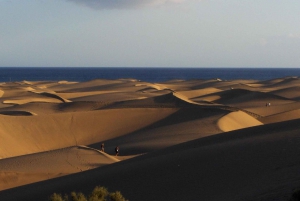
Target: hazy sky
(145,33)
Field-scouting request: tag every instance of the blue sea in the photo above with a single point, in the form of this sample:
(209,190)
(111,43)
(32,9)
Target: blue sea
(144,74)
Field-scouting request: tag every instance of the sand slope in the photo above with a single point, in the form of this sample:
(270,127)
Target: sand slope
(46,132)
(46,165)
(258,163)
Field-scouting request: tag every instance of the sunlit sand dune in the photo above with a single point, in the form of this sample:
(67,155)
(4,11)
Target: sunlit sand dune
(53,131)
(84,95)
(245,98)
(179,140)
(266,111)
(46,165)
(237,120)
(290,92)
(284,116)
(96,85)
(112,97)
(286,82)
(20,96)
(191,94)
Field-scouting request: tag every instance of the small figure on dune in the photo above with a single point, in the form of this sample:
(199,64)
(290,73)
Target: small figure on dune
(117,150)
(102,147)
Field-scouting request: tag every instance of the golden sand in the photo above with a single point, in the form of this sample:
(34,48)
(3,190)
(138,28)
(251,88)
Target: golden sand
(179,140)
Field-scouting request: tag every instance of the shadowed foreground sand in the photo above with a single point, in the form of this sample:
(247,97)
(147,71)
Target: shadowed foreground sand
(179,140)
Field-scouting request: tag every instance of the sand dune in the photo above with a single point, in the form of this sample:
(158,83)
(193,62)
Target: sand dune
(53,131)
(97,85)
(25,95)
(284,116)
(274,109)
(181,126)
(286,82)
(290,92)
(151,86)
(22,170)
(245,98)
(199,92)
(258,163)
(237,120)
(83,95)
(191,140)
(160,101)
(112,97)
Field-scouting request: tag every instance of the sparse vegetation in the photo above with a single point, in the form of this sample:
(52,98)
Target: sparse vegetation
(98,194)
(77,197)
(56,197)
(117,196)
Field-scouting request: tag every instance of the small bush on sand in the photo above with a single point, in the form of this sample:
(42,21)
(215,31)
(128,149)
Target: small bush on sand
(99,194)
(77,197)
(56,197)
(117,196)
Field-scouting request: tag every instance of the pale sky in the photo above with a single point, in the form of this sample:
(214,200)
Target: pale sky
(150,33)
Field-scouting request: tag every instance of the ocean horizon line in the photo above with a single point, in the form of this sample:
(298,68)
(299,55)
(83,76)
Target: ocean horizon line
(149,74)
(186,67)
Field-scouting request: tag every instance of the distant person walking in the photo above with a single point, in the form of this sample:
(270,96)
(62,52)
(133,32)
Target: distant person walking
(102,147)
(117,150)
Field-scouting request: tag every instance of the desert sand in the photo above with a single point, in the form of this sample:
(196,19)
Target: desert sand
(179,140)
